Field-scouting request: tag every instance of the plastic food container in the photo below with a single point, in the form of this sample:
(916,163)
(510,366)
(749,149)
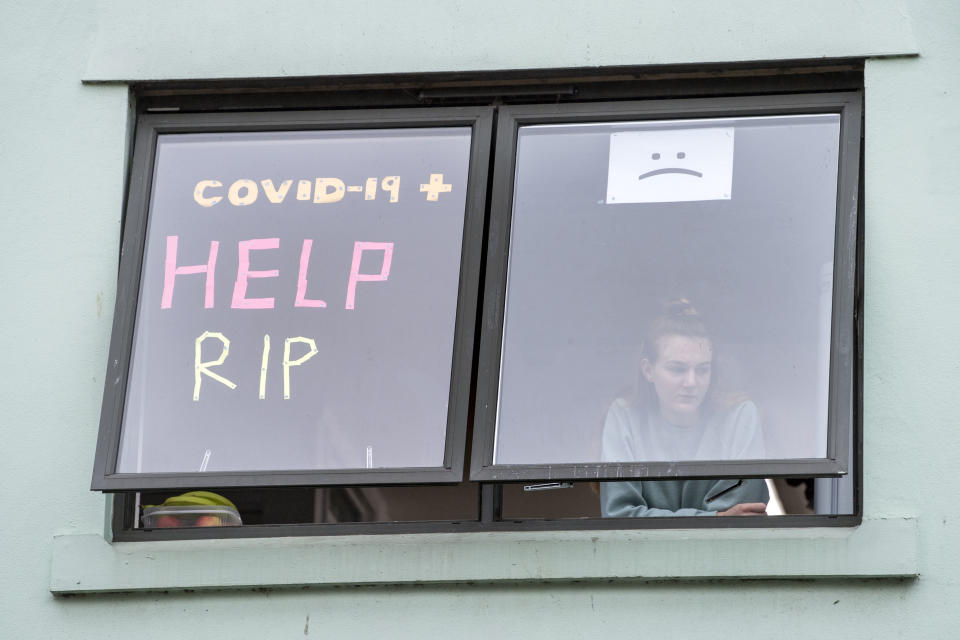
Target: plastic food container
(170,516)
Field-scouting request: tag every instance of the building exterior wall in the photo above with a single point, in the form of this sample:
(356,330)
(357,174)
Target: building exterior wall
(63,158)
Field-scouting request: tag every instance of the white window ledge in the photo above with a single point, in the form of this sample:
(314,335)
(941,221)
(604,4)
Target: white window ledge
(878,548)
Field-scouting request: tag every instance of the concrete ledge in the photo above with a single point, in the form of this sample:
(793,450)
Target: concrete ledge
(180,39)
(879,548)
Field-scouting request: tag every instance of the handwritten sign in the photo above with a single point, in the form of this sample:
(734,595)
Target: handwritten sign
(670,165)
(297,304)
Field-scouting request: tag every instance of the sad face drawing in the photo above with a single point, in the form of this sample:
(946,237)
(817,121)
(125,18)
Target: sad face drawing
(681,155)
(670,165)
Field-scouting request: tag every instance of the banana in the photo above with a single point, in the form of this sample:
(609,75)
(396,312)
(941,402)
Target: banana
(216,498)
(198,498)
(185,500)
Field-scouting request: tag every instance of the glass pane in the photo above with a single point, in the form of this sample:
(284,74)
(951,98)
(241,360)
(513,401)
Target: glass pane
(297,302)
(669,291)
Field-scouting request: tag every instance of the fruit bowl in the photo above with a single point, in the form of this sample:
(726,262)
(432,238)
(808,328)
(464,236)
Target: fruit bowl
(193,509)
(166,517)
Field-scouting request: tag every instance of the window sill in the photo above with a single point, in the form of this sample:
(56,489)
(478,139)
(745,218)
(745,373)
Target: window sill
(878,548)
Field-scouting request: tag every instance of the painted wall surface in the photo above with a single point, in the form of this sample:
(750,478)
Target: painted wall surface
(63,161)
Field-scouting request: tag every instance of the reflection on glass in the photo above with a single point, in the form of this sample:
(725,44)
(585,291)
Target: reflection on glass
(612,219)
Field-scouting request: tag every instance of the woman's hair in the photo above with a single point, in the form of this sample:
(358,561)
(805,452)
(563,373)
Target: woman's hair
(678,318)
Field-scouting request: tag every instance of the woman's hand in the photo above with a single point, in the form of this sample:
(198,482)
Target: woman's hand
(745,509)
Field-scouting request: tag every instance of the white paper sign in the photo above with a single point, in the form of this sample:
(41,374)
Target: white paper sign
(670,165)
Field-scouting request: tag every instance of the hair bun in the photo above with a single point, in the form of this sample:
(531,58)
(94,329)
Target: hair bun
(681,307)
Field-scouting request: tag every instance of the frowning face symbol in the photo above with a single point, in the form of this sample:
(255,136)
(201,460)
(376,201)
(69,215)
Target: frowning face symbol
(681,157)
(670,164)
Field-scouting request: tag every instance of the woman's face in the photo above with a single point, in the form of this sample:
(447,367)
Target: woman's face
(680,376)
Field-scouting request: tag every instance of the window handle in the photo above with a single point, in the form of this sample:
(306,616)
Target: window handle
(546,486)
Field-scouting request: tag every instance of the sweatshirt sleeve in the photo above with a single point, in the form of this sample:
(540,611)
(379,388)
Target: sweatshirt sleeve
(726,493)
(625,500)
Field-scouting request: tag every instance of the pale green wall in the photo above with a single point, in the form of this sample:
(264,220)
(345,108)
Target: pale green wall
(62,163)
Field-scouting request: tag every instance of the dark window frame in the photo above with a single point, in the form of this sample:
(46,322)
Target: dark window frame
(152,125)
(842,365)
(559,86)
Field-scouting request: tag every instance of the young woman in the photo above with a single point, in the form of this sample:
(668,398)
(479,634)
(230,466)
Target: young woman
(676,415)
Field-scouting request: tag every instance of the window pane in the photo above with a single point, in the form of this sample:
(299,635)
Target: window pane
(613,225)
(342,248)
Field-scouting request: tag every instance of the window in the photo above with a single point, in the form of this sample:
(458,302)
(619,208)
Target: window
(283,387)
(603,211)
(341,305)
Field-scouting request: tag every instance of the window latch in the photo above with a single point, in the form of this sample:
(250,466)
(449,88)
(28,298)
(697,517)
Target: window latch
(546,486)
